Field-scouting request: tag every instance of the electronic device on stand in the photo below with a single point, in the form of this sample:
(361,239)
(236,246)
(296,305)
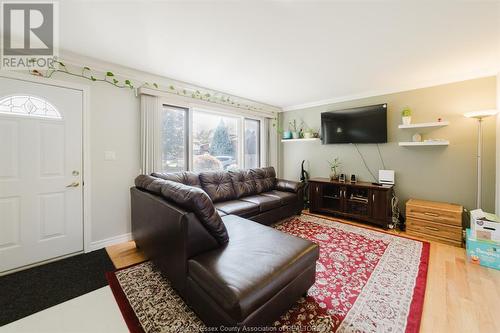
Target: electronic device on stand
(387,178)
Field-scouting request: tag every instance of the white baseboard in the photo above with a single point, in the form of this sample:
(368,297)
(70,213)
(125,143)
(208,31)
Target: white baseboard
(97,245)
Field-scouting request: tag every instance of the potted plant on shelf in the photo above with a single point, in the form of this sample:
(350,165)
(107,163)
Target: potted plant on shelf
(334,166)
(284,134)
(308,133)
(406,116)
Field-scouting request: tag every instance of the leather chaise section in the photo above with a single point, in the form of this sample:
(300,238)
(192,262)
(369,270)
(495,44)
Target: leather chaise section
(213,314)
(232,271)
(218,185)
(257,263)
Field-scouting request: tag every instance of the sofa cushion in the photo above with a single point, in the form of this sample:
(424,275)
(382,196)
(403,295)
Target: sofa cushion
(238,207)
(265,202)
(265,178)
(285,197)
(184,177)
(218,185)
(254,266)
(190,198)
(243,183)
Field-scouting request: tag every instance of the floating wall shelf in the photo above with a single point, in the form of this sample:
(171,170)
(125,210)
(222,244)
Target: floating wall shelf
(425,143)
(300,140)
(425,125)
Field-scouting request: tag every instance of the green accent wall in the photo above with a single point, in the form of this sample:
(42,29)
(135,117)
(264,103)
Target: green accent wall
(446,174)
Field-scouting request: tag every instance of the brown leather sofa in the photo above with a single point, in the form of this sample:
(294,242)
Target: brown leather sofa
(231,270)
(255,194)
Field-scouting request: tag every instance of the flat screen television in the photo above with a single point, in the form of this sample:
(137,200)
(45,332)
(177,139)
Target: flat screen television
(366,124)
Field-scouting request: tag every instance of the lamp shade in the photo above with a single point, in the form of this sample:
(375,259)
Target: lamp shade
(480,114)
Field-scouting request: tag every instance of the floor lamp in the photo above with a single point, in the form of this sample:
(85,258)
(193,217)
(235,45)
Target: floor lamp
(480,115)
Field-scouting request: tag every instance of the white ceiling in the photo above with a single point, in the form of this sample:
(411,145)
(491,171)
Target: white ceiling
(289,53)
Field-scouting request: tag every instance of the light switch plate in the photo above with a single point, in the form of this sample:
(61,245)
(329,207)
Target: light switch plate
(109,156)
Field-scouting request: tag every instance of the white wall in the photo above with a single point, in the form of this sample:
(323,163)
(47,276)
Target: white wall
(114,126)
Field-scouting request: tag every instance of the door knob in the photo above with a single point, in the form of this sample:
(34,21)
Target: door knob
(74,184)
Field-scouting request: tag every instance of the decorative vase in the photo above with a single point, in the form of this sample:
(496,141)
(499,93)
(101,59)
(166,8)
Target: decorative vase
(406,120)
(287,135)
(295,135)
(417,137)
(308,135)
(333,175)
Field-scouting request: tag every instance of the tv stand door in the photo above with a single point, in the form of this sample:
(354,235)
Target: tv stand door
(380,206)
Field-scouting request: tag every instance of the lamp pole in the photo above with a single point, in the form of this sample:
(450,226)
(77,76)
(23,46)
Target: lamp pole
(479,161)
(480,115)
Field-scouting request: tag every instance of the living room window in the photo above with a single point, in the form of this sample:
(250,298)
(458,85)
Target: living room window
(174,138)
(252,143)
(215,141)
(201,140)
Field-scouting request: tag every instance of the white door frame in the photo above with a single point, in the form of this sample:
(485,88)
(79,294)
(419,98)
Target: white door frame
(86,184)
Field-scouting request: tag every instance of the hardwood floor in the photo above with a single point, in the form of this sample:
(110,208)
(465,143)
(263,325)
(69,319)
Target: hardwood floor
(125,254)
(460,297)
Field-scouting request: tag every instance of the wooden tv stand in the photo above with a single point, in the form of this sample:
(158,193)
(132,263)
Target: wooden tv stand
(360,201)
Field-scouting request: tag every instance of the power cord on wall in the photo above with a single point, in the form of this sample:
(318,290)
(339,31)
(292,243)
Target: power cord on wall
(380,155)
(364,162)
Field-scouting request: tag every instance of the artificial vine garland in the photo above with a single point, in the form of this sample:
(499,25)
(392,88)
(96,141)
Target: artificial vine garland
(109,77)
(86,73)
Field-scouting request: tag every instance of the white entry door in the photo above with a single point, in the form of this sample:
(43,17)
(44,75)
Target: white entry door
(41,196)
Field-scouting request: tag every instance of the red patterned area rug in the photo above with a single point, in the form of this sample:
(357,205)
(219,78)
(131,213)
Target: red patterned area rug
(366,281)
